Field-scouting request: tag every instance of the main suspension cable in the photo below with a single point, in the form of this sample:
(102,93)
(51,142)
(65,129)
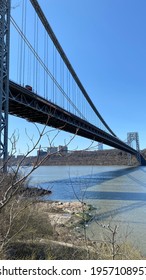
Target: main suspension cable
(50,32)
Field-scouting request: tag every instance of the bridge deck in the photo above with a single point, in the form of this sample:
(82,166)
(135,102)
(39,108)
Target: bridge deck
(28,105)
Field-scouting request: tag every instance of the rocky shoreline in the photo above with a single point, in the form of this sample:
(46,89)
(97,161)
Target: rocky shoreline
(68,219)
(60,213)
(33,191)
(66,212)
(57,230)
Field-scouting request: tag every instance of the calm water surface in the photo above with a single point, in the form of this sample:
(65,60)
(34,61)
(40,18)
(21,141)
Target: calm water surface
(117,193)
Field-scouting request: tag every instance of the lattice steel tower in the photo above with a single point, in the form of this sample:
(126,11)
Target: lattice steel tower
(133,136)
(4,76)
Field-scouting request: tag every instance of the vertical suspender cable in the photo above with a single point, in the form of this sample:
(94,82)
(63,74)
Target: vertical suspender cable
(69,89)
(18,59)
(47,59)
(36,85)
(34,60)
(56,97)
(21,47)
(66,61)
(61,80)
(44,72)
(53,72)
(54,75)
(24,46)
(46,63)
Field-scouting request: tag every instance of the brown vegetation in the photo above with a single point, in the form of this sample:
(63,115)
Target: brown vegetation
(54,230)
(104,157)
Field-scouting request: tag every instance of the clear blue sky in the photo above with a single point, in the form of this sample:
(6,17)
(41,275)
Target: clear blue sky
(105,41)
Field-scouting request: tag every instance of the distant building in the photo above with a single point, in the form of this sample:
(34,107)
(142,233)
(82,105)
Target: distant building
(62,149)
(52,150)
(41,153)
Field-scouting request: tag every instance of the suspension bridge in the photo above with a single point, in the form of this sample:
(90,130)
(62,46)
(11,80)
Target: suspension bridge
(38,82)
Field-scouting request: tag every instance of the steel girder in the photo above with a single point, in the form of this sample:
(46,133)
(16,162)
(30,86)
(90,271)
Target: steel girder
(34,108)
(4,76)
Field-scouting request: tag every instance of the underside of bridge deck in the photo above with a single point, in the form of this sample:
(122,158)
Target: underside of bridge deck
(26,104)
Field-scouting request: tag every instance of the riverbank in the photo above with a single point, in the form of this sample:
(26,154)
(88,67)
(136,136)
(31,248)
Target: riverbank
(33,192)
(57,230)
(53,231)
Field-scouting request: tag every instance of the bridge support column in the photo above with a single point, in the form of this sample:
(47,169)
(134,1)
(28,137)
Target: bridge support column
(133,136)
(4,78)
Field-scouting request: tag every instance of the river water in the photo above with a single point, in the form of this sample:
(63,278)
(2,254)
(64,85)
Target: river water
(118,194)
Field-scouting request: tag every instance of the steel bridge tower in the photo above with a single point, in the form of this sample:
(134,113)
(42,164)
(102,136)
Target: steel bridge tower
(4,77)
(133,136)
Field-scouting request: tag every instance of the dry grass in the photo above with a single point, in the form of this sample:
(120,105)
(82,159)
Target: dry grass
(32,235)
